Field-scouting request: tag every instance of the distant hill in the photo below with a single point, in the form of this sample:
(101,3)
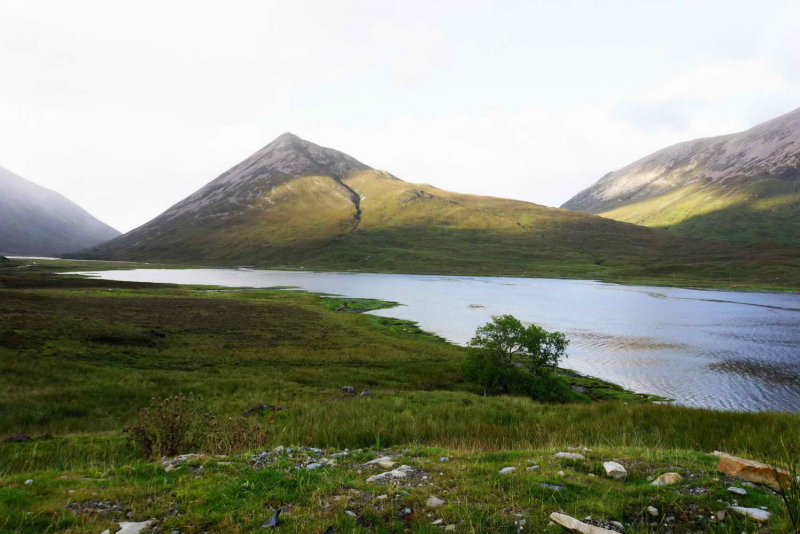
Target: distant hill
(294,204)
(35,220)
(741,187)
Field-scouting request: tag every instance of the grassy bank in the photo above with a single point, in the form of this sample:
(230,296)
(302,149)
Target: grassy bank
(79,357)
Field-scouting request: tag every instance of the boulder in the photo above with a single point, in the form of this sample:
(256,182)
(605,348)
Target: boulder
(756,514)
(434,502)
(615,470)
(752,471)
(574,456)
(573,525)
(667,479)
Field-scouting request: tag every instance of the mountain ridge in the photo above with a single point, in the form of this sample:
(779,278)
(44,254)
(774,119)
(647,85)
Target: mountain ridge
(37,220)
(741,187)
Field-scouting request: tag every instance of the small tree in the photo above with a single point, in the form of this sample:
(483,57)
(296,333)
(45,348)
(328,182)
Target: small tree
(510,343)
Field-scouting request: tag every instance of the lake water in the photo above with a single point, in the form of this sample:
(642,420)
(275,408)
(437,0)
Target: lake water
(712,349)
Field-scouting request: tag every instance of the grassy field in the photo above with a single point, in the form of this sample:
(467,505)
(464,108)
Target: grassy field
(79,358)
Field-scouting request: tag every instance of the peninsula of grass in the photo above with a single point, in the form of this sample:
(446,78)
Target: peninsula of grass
(80,357)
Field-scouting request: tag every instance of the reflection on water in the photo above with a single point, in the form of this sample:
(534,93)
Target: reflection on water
(732,351)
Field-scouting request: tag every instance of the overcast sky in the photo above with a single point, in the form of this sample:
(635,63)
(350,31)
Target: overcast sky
(126,107)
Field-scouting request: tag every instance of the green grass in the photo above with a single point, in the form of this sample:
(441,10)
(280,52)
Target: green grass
(79,357)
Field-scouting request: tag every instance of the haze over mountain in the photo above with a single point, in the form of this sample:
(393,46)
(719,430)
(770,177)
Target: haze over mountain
(740,187)
(294,203)
(36,220)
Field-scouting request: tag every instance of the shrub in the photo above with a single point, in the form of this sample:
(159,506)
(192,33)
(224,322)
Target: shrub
(171,426)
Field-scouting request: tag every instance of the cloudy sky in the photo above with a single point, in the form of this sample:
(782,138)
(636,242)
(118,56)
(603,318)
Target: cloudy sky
(126,107)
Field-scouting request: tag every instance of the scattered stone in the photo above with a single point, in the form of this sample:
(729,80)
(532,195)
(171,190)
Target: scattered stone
(449,528)
(752,471)
(351,514)
(340,454)
(737,491)
(272,522)
(756,514)
(379,460)
(532,468)
(134,528)
(438,522)
(667,479)
(617,524)
(366,393)
(578,449)
(101,508)
(443,459)
(382,497)
(561,473)
(348,389)
(721,515)
(653,511)
(554,487)
(29,482)
(400,472)
(573,456)
(615,470)
(573,525)
(386,465)
(507,470)
(314,466)
(434,502)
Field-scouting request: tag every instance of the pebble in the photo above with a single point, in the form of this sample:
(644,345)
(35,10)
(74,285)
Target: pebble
(312,467)
(449,528)
(737,491)
(532,468)
(29,482)
(434,502)
(570,456)
(653,511)
(507,470)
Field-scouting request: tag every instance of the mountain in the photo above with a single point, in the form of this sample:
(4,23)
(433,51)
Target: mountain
(35,220)
(741,187)
(295,204)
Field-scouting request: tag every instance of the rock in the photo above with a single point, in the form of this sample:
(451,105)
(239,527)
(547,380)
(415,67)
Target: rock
(443,459)
(721,515)
(263,408)
(653,511)
(449,528)
(532,468)
(348,389)
(29,482)
(314,466)
(386,465)
(667,479)
(438,522)
(756,514)
(752,471)
(400,472)
(366,393)
(379,460)
(615,470)
(134,528)
(382,497)
(18,438)
(434,502)
(561,473)
(573,525)
(351,514)
(574,456)
(554,487)
(617,524)
(578,449)
(272,522)
(507,470)
(737,491)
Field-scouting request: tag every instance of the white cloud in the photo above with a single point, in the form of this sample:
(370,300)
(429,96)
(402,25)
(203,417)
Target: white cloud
(128,107)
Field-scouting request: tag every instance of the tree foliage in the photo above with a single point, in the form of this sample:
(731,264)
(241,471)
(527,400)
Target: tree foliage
(508,342)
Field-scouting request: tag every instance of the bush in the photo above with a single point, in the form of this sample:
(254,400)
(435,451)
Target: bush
(179,425)
(495,378)
(171,426)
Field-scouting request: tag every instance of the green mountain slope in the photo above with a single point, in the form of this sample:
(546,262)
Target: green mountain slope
(296,204)
(743,187)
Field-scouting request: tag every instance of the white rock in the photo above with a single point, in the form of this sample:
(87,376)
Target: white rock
(570,456)
(312,467)
(438,522)
(615,470)
(507,470)
(434,502)
(382,497)
(653,511)
(351,514)
(667,479)
(532,468)
(561,473)
(400,472)
(573,525)
(737,491)
(379,460)
(134,528)
(29,482)
(755,514)
(449,528)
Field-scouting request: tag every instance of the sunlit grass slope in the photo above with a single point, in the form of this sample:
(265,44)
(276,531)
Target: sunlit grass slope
(768,210)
